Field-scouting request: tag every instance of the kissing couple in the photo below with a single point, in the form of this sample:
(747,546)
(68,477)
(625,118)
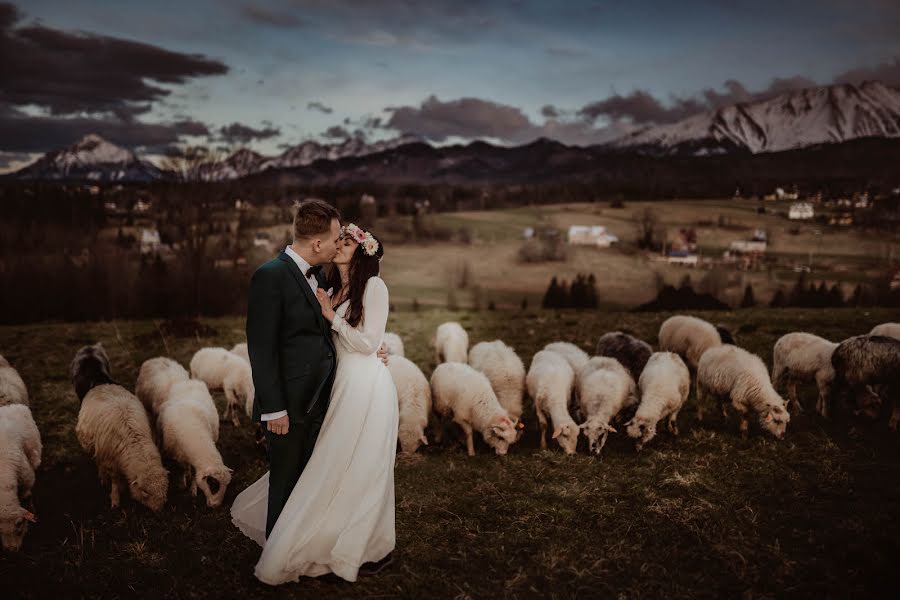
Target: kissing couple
(327,403)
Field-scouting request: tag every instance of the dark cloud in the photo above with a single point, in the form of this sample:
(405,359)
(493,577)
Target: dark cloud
(549,111)
(888,73)
(238,133)
(319,106)
(70,73)
(23,133)
(273,18)
(336,132)
(640,107)
(466,117)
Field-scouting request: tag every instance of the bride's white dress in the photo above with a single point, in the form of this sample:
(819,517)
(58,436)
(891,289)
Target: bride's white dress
(341,512)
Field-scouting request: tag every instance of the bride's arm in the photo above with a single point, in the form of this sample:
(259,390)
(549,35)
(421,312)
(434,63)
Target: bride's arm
(365,337)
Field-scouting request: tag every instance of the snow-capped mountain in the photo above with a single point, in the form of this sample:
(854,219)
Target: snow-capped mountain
(92,158)
(820,115)
(246,162)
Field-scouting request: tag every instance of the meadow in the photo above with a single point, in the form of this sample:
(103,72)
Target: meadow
(706,514)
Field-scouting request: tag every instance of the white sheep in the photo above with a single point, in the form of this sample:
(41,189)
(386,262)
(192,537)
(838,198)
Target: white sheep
(220,369)
(550,381)
(241,350)
(803,357)
(505,371)
(188,425)
(689,337)
(464,395)
(731,373)
(664,384)
(155,378)
(414,399)
(113,427)
(605,387)
(20,455)
(393,344)
(451,343)
(576,357)
(887,329)
(12,388)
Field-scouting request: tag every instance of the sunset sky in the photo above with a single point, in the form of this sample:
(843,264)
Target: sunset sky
(149,75)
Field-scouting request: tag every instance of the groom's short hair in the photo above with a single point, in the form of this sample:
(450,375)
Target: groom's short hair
(313,217)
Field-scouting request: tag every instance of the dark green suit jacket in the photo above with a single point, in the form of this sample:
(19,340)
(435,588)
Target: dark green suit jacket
(291,352)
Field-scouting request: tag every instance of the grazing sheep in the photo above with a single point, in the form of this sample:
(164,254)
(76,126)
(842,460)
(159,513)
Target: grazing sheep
(20,455)
(155,378)
(728,372)
(887,329)
(220,369)
(689,337)
(869,360)
(451,343)
(394,344)
(414,398)
(464,395)
(12,388)
(803,357)
(188,424)
(550,381)
(632,352)
(664,384)
(241,350)
(575,356)
(605,387)
(113,427)
(90,368)
(505,371)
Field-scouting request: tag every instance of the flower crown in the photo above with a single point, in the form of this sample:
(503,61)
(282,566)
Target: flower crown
(363,238)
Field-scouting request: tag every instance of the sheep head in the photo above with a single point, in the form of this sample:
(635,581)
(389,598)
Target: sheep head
(14,526)
(411,437)
(596,432)
(775,420)
(501,433)
(213,481)
(566,435)
(150,487)
(641,429)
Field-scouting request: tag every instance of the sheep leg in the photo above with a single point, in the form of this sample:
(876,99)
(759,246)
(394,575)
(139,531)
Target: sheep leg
(701,398)
(673,423)
(895,416)
(231,406)
(438,430)
(542,422)
(470,442)
(723,406)
(745,427)
(114,492)
(190,471)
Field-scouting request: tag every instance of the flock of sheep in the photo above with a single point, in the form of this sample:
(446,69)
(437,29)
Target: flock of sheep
(481,388)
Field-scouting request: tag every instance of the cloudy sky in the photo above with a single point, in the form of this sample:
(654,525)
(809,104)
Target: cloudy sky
(230,73)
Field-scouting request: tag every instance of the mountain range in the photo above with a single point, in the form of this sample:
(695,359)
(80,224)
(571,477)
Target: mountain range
(830,123)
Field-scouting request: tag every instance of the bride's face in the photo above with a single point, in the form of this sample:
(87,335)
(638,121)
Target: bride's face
(346,247)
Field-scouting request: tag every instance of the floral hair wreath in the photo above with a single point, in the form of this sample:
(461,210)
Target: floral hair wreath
(363,238)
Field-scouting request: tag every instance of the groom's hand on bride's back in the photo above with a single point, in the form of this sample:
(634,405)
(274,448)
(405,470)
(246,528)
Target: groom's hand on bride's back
(280,425)
(383,354)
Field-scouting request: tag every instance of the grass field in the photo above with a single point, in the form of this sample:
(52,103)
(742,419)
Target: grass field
(703,515)
(625,277)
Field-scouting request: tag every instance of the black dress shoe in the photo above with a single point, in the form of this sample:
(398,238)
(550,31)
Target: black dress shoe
(372,568)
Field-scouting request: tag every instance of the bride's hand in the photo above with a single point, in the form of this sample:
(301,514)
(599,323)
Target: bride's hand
(325,303)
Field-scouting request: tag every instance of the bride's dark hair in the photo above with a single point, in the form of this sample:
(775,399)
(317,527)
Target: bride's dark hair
(362,268)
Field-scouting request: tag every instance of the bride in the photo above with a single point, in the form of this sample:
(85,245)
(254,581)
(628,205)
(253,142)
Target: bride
(340,514)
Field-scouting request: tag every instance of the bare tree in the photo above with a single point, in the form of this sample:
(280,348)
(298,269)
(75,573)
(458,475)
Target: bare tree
(646,222)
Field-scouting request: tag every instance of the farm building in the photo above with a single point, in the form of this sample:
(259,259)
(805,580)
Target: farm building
(591,235)
(801,211)
(747,246)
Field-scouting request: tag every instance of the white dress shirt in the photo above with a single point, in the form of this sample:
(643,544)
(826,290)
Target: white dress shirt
(314,284)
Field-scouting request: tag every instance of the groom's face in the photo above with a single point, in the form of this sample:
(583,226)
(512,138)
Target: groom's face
(330,243)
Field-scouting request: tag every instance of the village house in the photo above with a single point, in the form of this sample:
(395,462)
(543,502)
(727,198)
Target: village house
(150,241)
(801,211)
(591,235)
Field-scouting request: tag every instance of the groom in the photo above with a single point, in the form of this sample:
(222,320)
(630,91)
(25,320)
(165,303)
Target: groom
(291,353)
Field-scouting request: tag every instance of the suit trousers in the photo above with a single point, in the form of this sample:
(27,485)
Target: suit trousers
(288,455)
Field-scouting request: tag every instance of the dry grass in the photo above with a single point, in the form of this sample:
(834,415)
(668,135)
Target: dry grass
(707,514)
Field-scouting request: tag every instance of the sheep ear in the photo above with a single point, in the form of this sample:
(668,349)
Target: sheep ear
(29,516)
(520,425)
(424,439)
(556,433)
(611,428)
(629,423)
(504,421)
(768,418)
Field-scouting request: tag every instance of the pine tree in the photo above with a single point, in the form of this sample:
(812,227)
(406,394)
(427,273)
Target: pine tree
(779,300)
(835,296)
(551,297)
